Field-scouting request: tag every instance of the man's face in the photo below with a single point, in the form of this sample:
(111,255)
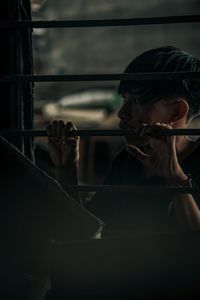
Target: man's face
(133,115)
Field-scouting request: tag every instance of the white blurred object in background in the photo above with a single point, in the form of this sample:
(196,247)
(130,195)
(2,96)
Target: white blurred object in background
(36,5)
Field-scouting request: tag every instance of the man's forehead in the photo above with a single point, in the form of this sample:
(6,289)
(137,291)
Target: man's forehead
(127,95)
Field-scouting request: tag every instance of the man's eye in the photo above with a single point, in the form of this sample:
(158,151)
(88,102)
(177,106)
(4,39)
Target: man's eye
(125,100)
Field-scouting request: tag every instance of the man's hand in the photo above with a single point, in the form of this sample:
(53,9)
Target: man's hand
(161,159)
(63,150)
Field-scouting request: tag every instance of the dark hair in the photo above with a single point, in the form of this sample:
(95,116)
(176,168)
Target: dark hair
(164,59)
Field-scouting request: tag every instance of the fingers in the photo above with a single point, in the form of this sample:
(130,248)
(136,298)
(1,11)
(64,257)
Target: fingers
(67,128)
(49,130)
(137,153)
(57,131)
(60,125)
(152,130)
(54,128)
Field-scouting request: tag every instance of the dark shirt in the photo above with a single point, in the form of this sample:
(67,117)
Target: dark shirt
(141,213)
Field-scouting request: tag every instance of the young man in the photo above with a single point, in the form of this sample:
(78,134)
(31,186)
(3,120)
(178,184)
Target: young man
(145,160)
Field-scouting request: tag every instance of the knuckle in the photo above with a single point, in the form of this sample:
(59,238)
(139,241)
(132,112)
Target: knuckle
(60,122)
(66,129)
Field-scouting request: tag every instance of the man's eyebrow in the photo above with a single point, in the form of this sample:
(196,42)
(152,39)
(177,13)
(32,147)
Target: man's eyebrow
(129,98)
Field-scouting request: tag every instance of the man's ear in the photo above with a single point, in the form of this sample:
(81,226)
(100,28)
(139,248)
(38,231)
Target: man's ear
(180,110)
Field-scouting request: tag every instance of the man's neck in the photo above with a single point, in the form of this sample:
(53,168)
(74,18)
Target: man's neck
(182,144)
(185,147)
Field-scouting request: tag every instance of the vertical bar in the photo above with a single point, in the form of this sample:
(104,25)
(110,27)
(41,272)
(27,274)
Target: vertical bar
(16,58)
(15,68)
(27,69)
(5,65)
(10,113)
(10,116)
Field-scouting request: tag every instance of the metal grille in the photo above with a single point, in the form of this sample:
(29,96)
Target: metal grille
(104,77)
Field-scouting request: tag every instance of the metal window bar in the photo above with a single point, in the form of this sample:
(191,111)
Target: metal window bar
(132,188)
(104,22)
(115,188)
(84,133)
(101,77)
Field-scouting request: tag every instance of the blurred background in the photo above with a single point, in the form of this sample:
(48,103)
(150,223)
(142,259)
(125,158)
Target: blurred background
(93,105)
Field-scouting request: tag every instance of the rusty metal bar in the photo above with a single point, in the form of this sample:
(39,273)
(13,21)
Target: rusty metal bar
(133,188)
(101,77)
(162,132)
(102,22)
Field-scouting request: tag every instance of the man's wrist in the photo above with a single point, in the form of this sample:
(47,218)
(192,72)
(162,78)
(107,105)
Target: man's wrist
(183,181)
(67,174)
(180,180)
(67,179)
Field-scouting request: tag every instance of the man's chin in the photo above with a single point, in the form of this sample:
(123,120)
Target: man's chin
(133,142)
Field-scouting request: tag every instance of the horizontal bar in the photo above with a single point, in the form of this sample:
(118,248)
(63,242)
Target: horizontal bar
(131,188)
(101,23)
(101,77)
(163,132)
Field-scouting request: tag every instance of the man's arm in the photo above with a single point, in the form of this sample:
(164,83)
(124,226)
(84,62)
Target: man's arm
(187,212)
(67,178)
(186,209)
(163,162)
(64,152)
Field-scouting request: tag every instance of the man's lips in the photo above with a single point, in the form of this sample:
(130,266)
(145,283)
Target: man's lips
(124,126)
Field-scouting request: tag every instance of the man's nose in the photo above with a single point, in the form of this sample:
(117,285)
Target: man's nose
(123,113)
